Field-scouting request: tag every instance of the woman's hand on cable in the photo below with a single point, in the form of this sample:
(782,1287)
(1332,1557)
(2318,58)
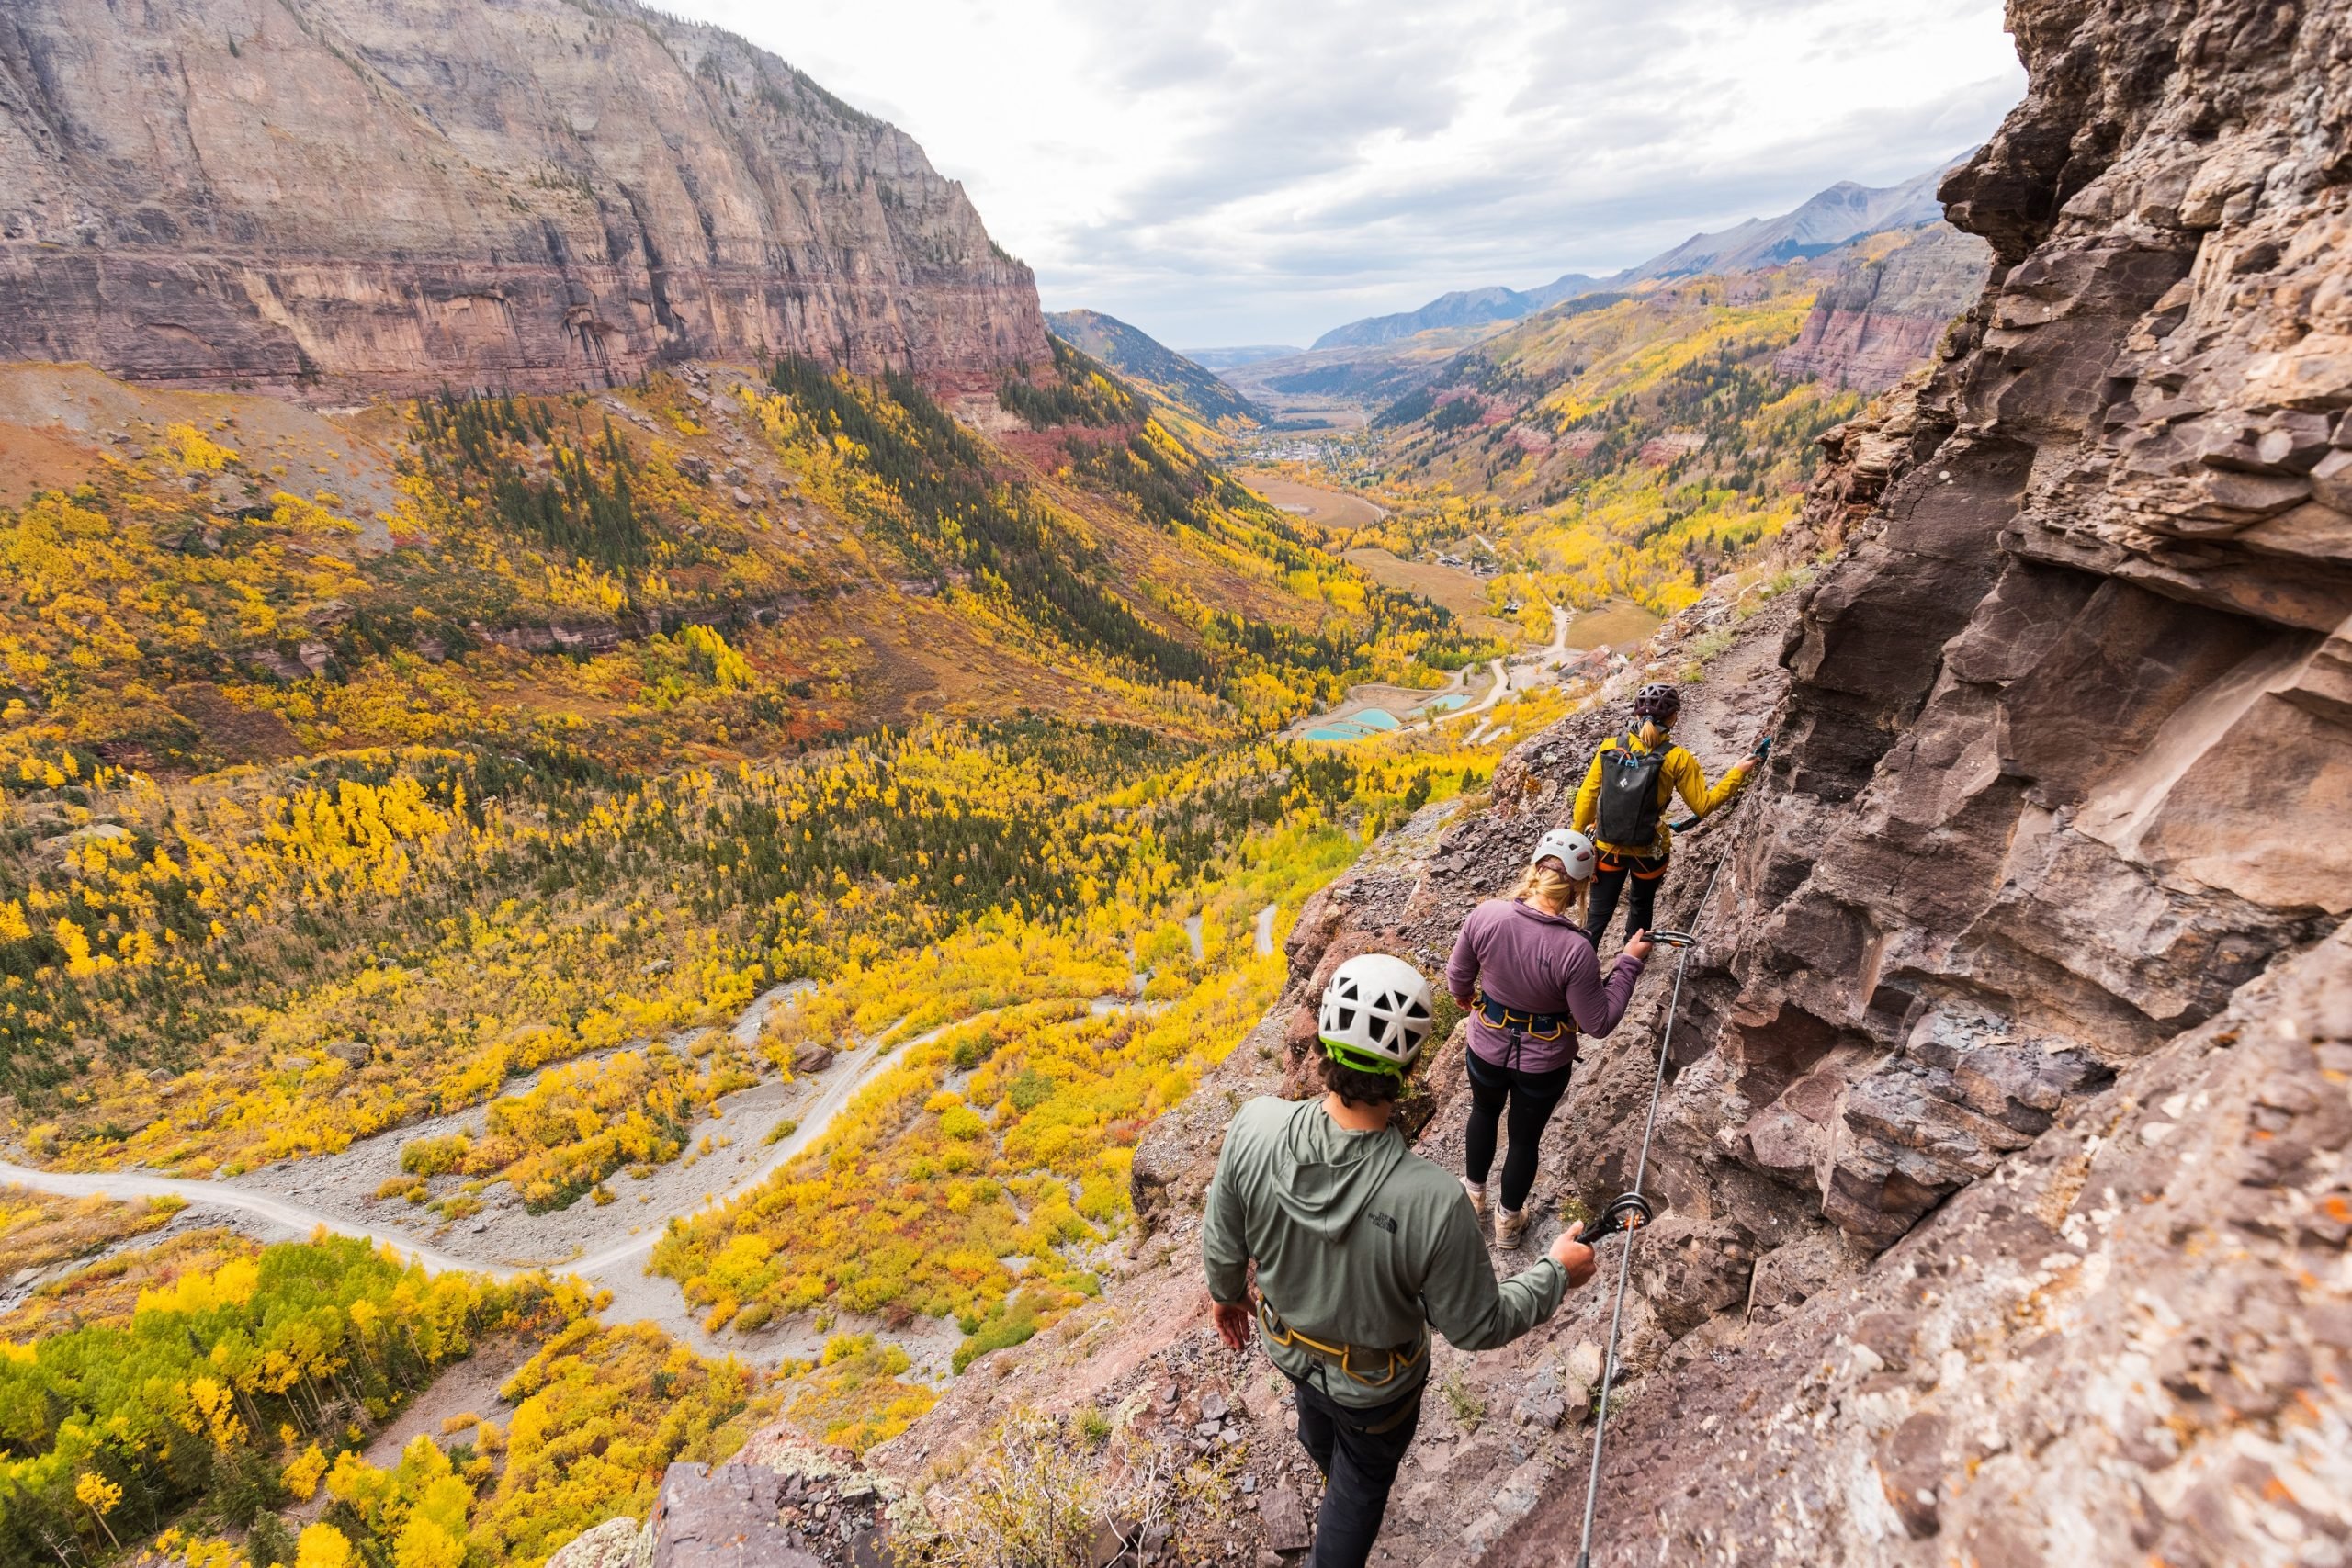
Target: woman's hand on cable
(1638,947)
(1233,1319)
(1571,1255)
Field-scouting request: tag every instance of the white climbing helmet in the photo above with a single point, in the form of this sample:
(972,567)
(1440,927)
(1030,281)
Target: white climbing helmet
(1571,849)
(1375,1014)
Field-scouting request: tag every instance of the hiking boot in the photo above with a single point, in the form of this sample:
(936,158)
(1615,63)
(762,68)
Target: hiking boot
(1478,1198)
(1511,1227)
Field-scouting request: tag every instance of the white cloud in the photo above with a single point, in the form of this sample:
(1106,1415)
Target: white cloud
(1261,170)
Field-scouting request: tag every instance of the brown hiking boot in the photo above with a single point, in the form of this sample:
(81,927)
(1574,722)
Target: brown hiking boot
(1510,1228)
(1478,1198)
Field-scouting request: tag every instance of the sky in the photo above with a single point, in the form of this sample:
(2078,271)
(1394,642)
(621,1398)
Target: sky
(1237,172)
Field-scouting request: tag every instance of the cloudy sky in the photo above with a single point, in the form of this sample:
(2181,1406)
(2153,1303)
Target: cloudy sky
(1260,170)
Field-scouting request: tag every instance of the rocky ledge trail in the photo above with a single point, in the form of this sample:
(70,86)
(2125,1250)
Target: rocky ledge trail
(2001,1168)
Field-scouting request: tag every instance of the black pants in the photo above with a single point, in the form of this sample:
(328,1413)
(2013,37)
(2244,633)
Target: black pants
(1609,882)
(1529,1097)
(1358,1452)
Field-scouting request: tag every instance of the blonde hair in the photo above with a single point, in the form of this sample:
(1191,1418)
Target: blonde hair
(1652,733)
(1545,884)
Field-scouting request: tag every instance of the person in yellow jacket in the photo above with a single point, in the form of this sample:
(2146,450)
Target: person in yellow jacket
(1621,806)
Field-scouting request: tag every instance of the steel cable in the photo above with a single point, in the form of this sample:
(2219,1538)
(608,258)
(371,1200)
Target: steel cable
(1625,1260)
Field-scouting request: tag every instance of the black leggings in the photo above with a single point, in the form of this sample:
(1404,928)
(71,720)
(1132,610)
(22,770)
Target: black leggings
(1609,881)
(1530,1098)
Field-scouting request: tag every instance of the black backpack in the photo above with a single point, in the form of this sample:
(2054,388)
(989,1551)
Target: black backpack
(1629,794)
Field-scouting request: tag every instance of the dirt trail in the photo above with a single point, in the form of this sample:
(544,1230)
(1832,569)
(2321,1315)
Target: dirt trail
(293,1217)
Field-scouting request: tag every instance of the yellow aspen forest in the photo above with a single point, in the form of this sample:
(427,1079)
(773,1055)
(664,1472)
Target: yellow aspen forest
(493,795)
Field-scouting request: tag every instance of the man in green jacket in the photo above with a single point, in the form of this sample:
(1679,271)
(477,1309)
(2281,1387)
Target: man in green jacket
(1362,1247)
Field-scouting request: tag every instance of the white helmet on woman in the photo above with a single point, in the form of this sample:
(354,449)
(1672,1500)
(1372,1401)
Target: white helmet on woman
(1571,849)
(1375,1014)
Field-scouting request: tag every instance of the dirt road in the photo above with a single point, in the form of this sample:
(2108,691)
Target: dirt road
(617,1266)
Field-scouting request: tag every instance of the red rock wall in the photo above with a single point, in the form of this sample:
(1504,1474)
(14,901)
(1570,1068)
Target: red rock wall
(1880,317)
(342,198)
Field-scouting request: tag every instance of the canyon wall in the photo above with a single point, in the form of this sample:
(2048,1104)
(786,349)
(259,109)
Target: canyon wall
(1884,313)
(340,198)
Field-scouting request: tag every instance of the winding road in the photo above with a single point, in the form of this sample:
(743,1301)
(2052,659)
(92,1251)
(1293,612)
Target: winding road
(1557,653)
(293,1217)
(1495,693)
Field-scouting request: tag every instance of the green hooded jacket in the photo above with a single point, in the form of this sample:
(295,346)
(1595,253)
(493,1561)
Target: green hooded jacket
(1358,1242)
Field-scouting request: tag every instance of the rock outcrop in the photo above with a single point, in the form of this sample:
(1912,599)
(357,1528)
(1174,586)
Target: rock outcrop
(1884,313)
(339,198)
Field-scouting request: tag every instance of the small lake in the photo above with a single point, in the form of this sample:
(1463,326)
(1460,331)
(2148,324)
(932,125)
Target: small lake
(1355,726)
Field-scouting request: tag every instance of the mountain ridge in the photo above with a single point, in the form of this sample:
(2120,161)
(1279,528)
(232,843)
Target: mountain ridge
(1835,216)
(1191,393)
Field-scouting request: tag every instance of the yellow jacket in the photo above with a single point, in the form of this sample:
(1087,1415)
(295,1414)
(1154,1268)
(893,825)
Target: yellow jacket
(1679,774)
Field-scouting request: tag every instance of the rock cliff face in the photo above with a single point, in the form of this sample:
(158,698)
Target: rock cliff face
(2041,903)
(1882,315)
(340,197)
(2003,1157)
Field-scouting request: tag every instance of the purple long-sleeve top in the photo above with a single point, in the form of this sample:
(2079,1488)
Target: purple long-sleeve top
(1534,962)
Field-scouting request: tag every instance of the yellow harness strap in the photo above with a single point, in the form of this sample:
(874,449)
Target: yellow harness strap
(1283,1334)
(1524,1022)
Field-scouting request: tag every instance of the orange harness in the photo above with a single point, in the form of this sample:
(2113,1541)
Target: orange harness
(1610,862)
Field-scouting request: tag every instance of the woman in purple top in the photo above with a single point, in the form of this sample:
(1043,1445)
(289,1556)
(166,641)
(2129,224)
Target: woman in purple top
(1527,972)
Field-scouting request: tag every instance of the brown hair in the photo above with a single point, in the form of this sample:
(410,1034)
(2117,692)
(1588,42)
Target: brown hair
(1653,732)
(1358,1086)
(1544,883)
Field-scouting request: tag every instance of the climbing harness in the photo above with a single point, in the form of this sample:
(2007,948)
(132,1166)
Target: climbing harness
(1399,1362)
(1544,1026)
(1632,1212)
(1655,865)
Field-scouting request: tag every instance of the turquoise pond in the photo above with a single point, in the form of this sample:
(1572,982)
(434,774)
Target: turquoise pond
(1355,726)
(1446,704)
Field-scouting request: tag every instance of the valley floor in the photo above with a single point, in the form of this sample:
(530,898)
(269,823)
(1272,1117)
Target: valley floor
(604,1244)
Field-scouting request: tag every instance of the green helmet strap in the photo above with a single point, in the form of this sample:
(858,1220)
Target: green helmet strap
(1363,1061)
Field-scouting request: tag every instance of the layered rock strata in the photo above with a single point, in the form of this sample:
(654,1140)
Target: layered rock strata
(1882,314)
(340,198)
